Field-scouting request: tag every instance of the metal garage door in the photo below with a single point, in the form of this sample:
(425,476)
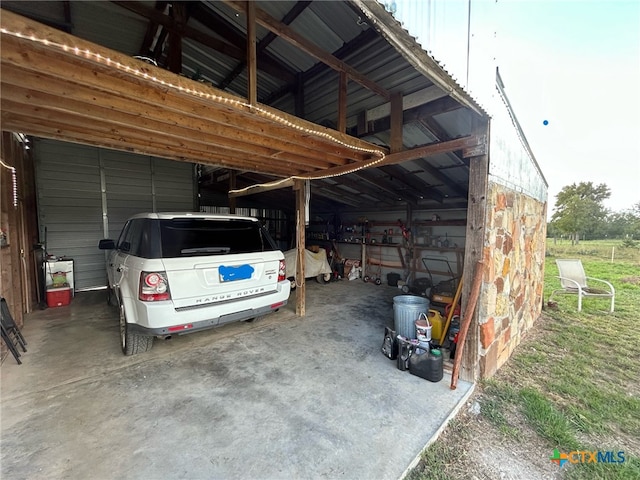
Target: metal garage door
(86,193)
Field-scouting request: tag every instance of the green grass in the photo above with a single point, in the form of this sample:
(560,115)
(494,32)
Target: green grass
(576,383)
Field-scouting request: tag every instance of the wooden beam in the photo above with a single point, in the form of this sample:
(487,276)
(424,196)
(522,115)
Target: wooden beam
(413,154)
(396,123)
(358,43)
(252,73)
(146,48)
(145,103)
(174,56)
(434,149)
(342,103)
(474,249)
(55,111)
(266,64)
(291,15)
(288,34)
(301,221)
(145,146)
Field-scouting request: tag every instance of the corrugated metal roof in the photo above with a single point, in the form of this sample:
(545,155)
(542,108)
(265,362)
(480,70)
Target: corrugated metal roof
(329,26)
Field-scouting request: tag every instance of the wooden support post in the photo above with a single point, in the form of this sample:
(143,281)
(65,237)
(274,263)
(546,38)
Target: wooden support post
(342,102)
(252,76)
(396,123)
(474,250)
(232,186)
(301,195)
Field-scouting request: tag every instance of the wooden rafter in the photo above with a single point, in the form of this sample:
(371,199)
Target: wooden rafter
(291,15)
(266,64)
(412,182)
(288,34)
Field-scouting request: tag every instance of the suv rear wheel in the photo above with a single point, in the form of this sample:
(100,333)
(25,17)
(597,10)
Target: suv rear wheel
(130,342)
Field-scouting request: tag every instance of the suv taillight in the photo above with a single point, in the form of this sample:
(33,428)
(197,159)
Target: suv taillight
(282,271)
(154,286)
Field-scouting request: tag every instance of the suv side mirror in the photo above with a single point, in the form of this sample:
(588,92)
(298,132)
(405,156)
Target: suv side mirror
(107,244)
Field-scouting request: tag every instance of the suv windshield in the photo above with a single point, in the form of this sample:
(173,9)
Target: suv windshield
(183,237)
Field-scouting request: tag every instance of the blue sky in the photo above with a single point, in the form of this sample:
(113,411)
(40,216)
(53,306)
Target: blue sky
(577,65)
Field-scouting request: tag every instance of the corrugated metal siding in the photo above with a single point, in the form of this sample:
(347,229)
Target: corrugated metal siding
(171,180)
(70,206)
(70,203)
(129,188)
(96,22)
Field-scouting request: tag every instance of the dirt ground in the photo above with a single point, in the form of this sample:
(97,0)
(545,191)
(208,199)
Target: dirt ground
(478,450)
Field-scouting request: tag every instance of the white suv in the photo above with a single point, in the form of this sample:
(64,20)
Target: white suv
(177,273)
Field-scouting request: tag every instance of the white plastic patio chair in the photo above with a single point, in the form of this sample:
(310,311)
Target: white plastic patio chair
(574,282)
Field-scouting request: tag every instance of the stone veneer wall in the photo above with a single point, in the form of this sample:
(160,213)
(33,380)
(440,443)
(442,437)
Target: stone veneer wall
(511,296)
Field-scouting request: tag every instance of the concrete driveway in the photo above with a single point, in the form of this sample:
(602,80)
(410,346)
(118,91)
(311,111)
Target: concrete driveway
(283,397)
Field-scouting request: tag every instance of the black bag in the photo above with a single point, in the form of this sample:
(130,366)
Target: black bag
(390,344)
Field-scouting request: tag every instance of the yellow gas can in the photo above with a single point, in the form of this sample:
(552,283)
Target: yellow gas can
(437,324)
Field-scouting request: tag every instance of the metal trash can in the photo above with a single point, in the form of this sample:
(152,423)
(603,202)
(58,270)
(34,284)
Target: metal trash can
(406,310)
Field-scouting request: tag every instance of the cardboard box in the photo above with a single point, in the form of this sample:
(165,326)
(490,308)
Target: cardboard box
(58,297)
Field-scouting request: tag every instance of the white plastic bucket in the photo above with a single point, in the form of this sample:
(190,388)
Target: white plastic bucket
(423,328)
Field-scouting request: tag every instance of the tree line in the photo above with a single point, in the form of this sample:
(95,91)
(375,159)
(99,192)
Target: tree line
(579,214)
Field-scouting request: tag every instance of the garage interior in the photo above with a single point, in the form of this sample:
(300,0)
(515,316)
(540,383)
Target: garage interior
(250,107)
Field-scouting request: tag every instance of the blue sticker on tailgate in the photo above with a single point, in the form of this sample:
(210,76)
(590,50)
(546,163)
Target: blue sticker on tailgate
(229,274)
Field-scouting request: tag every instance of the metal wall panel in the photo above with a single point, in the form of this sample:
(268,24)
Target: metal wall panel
(76,212)
(70,206)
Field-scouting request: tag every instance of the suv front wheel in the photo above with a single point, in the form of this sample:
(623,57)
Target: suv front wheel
(132,343)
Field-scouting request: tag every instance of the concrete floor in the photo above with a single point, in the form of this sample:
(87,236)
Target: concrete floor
(283,397)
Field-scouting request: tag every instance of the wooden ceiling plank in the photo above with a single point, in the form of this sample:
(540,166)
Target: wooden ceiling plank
(112,141)
(151,122)
(60,121)
(164,104)
(288,34)
(63,95)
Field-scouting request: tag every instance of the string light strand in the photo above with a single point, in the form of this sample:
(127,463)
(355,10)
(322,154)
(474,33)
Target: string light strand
(97,57)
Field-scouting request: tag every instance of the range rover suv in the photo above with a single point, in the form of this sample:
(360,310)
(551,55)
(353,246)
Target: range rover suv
(177,273)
